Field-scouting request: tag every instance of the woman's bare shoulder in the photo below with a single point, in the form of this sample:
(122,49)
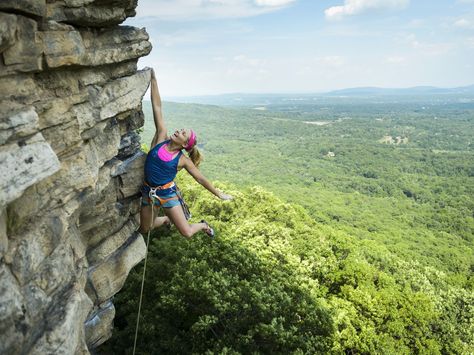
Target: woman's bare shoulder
(157,141)
(183,161)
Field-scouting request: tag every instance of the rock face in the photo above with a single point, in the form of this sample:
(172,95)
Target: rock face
(70,102)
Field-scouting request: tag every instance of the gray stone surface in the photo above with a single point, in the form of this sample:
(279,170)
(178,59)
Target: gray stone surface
(16,92)
(130,175)
(70,98)
(8,26)
(20,124)
(25,54)
(24,164)
(61,334)
(63,48)
(115,97)
(3,233)
(108,277)
(100,324)
(91,13)
(123,94)
(32,7)
(113,46)
(111,244)
(12,315)
(130,142)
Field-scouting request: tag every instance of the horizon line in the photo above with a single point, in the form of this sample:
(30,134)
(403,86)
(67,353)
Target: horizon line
(317,92)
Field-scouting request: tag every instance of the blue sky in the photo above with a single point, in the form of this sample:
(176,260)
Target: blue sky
(205,47)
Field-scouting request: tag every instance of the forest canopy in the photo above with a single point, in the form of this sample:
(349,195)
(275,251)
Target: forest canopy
(276,281)
(352,231)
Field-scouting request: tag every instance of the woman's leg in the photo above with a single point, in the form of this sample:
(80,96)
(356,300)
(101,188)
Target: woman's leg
(176,215)
(145,219)
(160,220)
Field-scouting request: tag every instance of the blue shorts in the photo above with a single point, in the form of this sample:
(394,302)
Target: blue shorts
(166,198)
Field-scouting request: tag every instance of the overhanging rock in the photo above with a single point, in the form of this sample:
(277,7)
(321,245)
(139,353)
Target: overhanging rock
(70,100)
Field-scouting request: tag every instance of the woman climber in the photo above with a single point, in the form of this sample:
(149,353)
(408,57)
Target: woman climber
(163,161)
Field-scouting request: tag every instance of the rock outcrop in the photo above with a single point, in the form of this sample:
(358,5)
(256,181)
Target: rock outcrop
(71,168)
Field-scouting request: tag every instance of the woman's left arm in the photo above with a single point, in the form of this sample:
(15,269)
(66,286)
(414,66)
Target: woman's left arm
(199,177)
(160,133)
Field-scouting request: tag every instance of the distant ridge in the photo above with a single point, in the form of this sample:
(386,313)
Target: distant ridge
(364,93)
(416,90)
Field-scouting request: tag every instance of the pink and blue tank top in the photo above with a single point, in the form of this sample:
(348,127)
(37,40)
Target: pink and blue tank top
(160,166)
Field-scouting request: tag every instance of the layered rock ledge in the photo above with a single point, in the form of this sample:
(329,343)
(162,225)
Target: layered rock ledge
(71,168)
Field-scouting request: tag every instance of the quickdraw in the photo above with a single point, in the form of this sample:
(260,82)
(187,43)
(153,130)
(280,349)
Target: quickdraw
(187,212)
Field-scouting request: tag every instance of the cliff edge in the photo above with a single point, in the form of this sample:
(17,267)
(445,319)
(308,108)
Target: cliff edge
(71,168)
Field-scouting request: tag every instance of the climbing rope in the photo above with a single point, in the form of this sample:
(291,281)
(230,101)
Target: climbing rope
(152,198)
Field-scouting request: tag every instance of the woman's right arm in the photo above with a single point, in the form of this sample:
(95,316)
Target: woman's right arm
(160,133)
(199,177)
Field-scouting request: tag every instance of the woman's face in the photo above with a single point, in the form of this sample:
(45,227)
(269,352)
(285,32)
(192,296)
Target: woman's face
(181,136)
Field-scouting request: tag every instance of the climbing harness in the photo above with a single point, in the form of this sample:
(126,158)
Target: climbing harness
(154,197)
(179,196)
(153,189)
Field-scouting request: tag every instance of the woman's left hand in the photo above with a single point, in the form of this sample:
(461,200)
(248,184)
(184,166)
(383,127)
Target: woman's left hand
(225,197)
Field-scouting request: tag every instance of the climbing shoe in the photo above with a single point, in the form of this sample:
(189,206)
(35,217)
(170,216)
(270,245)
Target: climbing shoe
(209,231)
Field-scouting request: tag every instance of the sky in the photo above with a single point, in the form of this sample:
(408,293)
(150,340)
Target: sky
(205,47)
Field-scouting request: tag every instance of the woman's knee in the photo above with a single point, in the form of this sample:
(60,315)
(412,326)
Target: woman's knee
(144,228)
(186,231)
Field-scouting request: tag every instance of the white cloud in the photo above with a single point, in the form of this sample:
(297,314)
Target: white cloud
(273,2)
(182,38)
(241,66)
(396,60)
(331,61)
(464,23)
(252,62)
(470,42)
(416,23)
(194,35)
(207,9)
(428,48)
(357,7)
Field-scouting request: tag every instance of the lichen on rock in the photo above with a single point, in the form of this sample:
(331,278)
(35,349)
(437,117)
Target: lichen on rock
(70,100)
